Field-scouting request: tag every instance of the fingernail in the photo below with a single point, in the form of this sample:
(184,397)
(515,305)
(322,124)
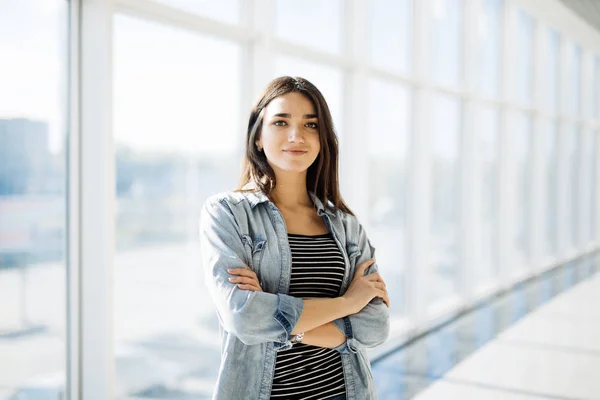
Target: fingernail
(230,279)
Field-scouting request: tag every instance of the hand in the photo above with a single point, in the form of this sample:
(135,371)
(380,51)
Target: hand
(246,279)
(364,288)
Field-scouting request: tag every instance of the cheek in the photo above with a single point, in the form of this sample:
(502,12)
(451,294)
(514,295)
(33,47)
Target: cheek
(316,144)
(268,138)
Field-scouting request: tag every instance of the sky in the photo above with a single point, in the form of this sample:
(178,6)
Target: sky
(33,62)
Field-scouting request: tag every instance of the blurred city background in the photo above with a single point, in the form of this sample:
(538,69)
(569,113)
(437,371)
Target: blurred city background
(469,138)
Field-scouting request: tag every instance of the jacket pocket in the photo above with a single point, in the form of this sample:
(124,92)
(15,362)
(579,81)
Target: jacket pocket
(254,251)
(353,252)
(258,252)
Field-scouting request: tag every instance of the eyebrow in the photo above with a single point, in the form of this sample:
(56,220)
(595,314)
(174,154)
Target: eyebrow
(305,116)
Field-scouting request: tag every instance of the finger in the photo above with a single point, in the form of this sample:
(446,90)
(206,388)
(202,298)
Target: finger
(242,272)
(249,287)
(374,277)
(235,271)
(360,270)
(243,279)
(385,297)
(380,286)
(255,287)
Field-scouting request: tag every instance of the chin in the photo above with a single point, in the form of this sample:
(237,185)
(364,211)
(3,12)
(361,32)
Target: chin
(293,168)
(290,167)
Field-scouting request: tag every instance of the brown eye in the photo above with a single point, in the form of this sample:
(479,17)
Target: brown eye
(312,125)
(276,123)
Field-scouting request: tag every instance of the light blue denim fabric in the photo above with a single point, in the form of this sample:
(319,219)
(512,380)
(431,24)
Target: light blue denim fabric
(237,228)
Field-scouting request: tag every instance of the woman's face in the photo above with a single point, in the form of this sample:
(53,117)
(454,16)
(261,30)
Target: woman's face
(290,134)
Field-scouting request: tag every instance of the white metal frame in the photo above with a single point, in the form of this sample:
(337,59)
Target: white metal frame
(93,195)
(420,195)
(539,188)
(91,153)
(507,162)
(470,185)
(73,367)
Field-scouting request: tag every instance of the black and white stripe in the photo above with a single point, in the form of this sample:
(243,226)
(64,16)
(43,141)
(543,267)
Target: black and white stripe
(309,372)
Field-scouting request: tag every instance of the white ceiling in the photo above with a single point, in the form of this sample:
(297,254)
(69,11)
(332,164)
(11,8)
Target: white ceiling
(589,10)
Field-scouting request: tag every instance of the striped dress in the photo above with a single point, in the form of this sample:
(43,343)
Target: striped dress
(304,371)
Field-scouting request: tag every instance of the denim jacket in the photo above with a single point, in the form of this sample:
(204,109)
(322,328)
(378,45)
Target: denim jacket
(246,227)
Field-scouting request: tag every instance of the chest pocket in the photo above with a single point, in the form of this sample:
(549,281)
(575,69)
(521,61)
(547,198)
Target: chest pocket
(254,252)
(354,253)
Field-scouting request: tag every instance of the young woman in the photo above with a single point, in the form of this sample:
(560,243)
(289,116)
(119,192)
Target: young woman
(289,267)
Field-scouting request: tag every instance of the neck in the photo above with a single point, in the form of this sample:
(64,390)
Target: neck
(290,191)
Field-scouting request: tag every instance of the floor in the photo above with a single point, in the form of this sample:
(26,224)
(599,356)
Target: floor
(538,341)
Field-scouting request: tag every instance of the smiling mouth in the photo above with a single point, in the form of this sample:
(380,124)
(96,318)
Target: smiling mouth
(295,152)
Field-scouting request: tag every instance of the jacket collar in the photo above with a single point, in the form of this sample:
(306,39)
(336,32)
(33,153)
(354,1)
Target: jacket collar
(257,196)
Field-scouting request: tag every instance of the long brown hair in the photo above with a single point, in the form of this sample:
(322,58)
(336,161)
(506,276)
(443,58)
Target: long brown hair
(322,175)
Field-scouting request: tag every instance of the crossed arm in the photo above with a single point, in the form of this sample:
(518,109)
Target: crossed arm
(315,310)
(327,335)
(257,317)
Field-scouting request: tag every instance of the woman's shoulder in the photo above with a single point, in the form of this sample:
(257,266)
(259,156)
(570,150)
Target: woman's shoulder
(233,198)
(228,196)
(350,221)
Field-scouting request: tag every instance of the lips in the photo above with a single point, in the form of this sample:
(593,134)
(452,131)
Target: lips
(295,152)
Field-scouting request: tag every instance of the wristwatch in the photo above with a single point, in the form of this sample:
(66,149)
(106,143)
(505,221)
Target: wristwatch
(297,338)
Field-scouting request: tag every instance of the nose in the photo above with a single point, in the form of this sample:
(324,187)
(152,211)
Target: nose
(295,135)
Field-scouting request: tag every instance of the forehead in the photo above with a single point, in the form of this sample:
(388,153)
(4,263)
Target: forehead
(293,103)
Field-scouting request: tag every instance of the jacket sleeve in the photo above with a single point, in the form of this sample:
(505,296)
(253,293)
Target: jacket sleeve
(369,327)
(253,317)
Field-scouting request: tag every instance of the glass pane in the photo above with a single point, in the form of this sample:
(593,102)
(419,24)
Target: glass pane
(447,42)
(573,149)
(389,136)
(328,80)
(550,130)
(489,153)
(594,186)
(168,162)
(227,11)
(587,186)
(596,91)
(391,34)
(487,51)
(522,191)
(575,87)
(445,175)
(316,24)
(33,198)
(524,68)
(588,95)
(550,88)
